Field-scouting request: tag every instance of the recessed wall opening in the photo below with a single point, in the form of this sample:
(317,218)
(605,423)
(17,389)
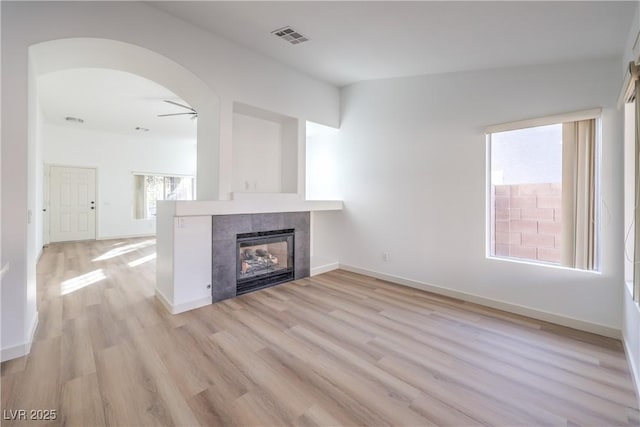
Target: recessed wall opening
(323,154)
(265,151)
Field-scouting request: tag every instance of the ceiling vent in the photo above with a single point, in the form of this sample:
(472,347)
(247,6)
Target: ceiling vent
(74,119)
(290,35)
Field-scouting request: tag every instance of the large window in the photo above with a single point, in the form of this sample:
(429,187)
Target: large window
(543,191)
(151,188)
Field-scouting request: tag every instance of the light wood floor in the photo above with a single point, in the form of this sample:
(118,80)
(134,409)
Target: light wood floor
(336,349)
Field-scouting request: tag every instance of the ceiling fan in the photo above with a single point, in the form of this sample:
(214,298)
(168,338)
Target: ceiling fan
(192,112)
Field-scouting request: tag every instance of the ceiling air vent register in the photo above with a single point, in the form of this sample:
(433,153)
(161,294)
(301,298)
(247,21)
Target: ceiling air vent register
(74,120)
(290,35)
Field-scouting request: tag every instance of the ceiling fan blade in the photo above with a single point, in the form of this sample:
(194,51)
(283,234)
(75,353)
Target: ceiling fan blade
(180,105)
(174,114)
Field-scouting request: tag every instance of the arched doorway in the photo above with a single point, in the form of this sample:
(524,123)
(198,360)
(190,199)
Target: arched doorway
(64,54)
(61,55)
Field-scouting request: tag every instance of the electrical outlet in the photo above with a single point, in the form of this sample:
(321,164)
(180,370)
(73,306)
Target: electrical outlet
(385,256)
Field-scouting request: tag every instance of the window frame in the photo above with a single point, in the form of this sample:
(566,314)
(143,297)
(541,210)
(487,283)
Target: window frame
(163,175)
(596,114)
(631,192)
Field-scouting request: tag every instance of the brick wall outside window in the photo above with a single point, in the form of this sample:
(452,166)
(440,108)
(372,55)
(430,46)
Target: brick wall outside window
(528,221)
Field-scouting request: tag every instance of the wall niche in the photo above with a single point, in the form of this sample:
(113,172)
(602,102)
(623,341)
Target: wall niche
(265,151)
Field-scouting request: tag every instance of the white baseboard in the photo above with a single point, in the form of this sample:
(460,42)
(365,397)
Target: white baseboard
(163,300)
(20,349)
(14,352)
(500,305)
(185,306)
(130,236)
(634,368)
(34,326)
(324,268)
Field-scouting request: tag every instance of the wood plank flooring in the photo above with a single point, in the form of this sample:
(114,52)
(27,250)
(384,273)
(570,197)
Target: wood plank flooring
(335,349)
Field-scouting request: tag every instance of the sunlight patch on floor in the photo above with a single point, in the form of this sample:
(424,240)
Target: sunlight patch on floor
(124,250)
(82,281)
(139,261)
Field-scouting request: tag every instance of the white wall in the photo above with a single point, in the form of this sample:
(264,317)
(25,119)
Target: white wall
(38,173)
(631,50)
(115,157)
(232,72)
(34,209)
(631,309)
(293,155)
(413,184)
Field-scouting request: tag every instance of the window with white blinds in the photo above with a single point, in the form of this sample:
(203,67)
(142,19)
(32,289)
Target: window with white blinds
(151,188)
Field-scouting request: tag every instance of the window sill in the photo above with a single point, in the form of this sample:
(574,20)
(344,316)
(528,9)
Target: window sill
(542,264)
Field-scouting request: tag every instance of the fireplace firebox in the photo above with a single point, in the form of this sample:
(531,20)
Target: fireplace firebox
(264,259)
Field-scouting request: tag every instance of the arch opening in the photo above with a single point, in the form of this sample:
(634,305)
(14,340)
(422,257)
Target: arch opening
(74,53)
(56,59)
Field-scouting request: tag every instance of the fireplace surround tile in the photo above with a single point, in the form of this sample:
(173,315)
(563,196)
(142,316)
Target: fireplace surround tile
(267,222)
(302,267)
(225,228)
(299,220)
(224,252)
(224,279)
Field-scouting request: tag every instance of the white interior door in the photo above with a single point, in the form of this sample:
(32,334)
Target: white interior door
(72,201)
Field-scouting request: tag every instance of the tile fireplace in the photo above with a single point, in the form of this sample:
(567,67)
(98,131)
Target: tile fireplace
(255,251)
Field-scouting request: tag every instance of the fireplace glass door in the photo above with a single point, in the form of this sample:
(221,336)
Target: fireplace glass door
(264,259)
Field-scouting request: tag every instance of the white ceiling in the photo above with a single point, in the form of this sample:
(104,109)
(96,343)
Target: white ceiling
(113,101)
(354,41)
(350,41)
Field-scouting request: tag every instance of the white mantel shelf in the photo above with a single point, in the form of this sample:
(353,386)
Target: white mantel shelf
(252,203)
